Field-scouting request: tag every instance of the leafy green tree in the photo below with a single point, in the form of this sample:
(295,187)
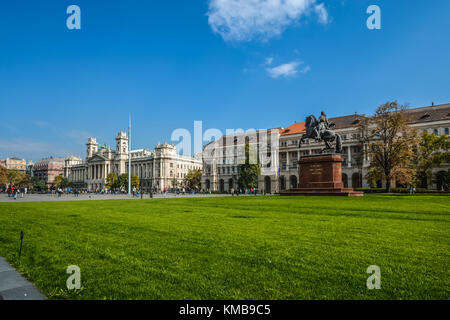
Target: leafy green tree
(248,171)
(193,179)
(38,185)
(65,183)
(60,182)
(112,181)
(442,180)
(123,181)
(432,151)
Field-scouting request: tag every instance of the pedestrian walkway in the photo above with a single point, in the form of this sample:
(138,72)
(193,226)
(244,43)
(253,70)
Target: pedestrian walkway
(66,197)
(15,287)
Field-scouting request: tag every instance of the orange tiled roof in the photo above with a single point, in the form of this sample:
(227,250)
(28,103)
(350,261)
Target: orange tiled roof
(298,127)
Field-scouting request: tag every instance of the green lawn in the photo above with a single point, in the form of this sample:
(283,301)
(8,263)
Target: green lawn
(234,248)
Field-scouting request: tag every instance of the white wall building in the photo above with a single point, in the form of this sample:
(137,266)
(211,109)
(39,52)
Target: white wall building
(156,170)
(221,167)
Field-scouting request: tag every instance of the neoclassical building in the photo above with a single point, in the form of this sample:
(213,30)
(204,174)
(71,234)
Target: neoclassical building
(156,170)
(221,163)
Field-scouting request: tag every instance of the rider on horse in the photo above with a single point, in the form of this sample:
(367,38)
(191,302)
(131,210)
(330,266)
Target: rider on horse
(322,125)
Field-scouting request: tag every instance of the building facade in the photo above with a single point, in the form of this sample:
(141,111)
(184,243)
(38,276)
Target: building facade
(14,164)
(48,169)
(221,163)
(157,170)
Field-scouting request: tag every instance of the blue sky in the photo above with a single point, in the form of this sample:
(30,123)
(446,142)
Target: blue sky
(228,63)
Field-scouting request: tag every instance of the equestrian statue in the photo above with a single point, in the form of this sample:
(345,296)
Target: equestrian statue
(321,131)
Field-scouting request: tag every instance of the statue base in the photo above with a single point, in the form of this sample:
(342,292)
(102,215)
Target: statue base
(321,175)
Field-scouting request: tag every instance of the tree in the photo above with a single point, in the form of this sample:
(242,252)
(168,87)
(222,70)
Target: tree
(14,177)
(123,181)
(432,151)
(248,171)
(3,176)
(193,179)
(135,181)
(112,181)
(26,181)
(61,182)
(38,184)
(390,142)
(442,180)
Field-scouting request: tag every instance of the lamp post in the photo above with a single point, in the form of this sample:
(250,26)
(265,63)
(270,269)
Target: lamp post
(129,155)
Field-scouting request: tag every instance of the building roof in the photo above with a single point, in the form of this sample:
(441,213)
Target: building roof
(429,114)
(417,115)
(298,127)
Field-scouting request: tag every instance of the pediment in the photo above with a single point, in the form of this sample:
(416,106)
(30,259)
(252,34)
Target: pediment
(98,158)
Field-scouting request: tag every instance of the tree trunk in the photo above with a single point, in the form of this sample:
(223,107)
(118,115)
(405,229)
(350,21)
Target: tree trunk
(388,186)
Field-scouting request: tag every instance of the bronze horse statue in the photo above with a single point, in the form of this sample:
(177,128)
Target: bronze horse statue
(321,131)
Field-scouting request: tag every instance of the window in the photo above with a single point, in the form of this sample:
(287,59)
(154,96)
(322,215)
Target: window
(446,131)
(436,131)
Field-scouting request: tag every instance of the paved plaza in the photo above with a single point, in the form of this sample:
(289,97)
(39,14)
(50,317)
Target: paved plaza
(70,197)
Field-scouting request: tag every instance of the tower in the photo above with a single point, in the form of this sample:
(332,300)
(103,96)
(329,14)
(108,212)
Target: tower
(121,152)
(122,143)
(91,147)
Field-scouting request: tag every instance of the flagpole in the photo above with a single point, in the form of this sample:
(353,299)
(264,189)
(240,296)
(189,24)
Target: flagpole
(129,154)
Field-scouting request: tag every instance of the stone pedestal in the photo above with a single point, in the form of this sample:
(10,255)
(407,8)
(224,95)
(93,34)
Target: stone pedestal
(321,175)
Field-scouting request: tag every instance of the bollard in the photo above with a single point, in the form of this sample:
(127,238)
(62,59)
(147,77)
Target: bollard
(21,243)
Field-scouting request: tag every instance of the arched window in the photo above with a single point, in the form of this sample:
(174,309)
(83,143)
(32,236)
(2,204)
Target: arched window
(345,180)
(293,182)
(267,185)
(356,180)
(282,183)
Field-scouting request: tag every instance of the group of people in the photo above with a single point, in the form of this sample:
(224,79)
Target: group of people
(237,192)
(14,191)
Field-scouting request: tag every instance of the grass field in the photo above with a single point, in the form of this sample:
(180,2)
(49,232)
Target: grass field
(234,248)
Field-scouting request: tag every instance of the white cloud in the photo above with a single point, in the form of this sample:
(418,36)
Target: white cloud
(79,136)
(269,61)
(321,13)
(287,70)
(30,149)
(243,20)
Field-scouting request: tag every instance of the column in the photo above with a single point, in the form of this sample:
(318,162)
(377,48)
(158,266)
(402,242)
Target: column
(287,160)
(349,157)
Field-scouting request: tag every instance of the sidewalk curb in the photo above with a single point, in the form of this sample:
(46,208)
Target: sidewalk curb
(13,286)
